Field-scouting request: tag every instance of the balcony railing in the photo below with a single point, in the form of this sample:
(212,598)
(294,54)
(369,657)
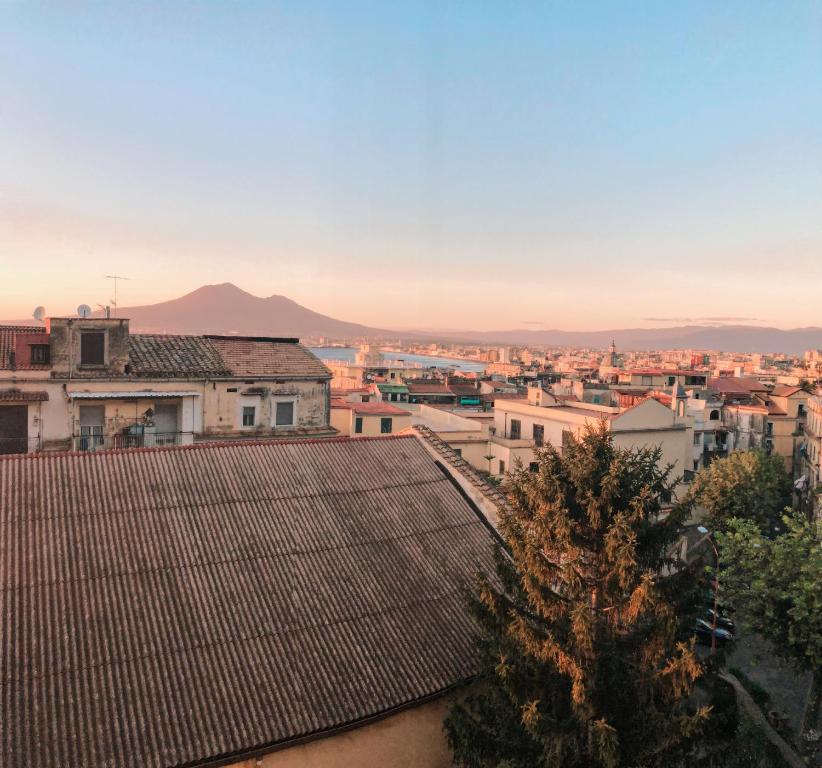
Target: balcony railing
(19,445)
(120,441)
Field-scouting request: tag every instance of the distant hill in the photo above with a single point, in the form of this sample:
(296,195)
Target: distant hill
(225,308)
(731,338)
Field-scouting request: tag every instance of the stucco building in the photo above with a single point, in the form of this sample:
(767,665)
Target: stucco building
(88,384)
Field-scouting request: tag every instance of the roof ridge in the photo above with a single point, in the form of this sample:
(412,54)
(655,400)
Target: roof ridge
(217,443)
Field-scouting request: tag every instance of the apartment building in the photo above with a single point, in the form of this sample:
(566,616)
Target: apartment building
(773,421)
(543,418)
(367,419)
(88,383)
(810,449)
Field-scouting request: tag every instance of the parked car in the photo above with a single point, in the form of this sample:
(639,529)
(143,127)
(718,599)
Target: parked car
(722,622)
(703,629)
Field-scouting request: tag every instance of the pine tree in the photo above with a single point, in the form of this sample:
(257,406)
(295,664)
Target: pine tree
(585,659)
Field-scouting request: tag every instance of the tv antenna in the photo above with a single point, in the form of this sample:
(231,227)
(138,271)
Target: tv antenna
(116,279)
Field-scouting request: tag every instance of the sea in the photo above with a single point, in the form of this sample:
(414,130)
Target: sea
(425,361)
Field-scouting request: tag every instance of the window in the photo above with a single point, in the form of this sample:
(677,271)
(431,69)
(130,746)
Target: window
(714,415)
(249,415)
(92,346)
(501,467)
(533,466)
(516,429)
(40,354)
(697,438)
(386,425)
(770,428)
(284,416)
(92,421)
(358,425)
(671,381)
(800,410)
(539,435)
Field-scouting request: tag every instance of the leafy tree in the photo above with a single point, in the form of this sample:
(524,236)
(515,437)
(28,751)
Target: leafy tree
(774,584)
(750,485)
(585,659)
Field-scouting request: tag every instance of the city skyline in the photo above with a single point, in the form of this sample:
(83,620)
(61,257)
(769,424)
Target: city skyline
(429,167)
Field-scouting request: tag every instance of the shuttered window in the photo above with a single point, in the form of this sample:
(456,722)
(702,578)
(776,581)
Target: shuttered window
(92,348)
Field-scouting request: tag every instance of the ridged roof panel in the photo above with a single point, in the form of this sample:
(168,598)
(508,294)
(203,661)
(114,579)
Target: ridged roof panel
(165,607)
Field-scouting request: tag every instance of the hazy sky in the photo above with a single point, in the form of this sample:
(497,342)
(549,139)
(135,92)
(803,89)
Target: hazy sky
(406,164)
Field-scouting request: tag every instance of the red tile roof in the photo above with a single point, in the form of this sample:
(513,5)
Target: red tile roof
(417,387)
(257,356)
(736,385)
(785,390)
(184,604)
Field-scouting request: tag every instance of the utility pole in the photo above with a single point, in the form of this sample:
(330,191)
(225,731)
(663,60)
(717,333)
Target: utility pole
(116,278)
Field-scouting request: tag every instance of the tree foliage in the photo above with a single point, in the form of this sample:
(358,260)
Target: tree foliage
(585,657)
(775,584)
(750,485)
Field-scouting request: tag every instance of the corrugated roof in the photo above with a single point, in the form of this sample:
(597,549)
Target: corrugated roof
(140,394)
(153,355)
(275,357)
(21,396)
(163,607)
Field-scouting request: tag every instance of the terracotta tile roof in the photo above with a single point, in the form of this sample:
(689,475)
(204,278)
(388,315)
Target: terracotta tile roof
(736,385)
(19,396)
(174,356)
(369,409)
(258,356)
(424,387)
(785,390)
(176,605)
(464,390)
(7,334)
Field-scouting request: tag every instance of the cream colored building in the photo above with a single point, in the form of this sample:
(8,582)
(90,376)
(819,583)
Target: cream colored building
(773,422)
(544,419)
(94,385)
(371,419)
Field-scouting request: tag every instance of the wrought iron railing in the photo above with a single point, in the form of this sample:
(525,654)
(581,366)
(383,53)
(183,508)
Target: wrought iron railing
(128,440)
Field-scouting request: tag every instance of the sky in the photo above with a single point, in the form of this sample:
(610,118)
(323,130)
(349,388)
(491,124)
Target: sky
(459,165)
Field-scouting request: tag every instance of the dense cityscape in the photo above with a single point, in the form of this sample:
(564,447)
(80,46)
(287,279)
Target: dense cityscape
(410,385)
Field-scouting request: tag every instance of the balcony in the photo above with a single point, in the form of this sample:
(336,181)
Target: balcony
(99,442)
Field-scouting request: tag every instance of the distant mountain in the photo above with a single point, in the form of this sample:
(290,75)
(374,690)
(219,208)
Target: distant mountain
(731,338)
(225,308)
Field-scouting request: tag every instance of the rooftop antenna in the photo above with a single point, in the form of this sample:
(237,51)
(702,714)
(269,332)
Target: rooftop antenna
(84,310)
(39,313)
(116,279)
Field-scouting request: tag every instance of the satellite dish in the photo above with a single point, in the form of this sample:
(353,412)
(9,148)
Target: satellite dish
(84,310)
(39,313)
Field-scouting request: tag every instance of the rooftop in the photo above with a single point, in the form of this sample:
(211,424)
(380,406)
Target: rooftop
(369,409)
(185,604)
